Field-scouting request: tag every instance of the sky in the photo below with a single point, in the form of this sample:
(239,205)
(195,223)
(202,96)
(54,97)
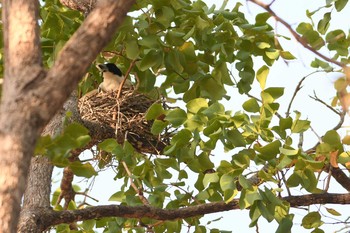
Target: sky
(281,74)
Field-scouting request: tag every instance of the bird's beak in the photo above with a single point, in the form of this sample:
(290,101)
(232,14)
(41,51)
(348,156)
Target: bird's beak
(102,67)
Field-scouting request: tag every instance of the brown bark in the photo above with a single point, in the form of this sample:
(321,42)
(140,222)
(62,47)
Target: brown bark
(50,217)
(17,138)
(30,96)
(341,178)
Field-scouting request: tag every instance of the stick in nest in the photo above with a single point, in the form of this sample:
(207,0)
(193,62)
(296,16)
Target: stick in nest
(126,115)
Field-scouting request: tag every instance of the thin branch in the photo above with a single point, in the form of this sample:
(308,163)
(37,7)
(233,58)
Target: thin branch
(125,77)
(137,190)
(336,127)
(300,39)
(271,2)
(260,101)
(297,89)
(285,183)
(316,134)
(324,103)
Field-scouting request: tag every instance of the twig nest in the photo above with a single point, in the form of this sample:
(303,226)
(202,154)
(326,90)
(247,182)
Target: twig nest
(126,115)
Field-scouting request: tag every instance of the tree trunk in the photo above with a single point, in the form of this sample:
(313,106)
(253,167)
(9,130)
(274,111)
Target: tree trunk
(31,97)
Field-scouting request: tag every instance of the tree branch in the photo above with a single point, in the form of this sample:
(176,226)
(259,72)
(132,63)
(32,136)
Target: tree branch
(51,218)
(21,49)
(297,89)
(341,178)
(30,96)
(295,34)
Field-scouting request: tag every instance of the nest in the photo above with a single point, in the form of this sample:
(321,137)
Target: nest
(126,115)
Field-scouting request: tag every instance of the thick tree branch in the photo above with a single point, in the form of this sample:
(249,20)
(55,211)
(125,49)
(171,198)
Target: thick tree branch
(301,40)
(30,96)
(21,49)
(341,178)
(51,218)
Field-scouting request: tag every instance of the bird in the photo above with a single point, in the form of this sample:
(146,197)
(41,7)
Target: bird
(112,77)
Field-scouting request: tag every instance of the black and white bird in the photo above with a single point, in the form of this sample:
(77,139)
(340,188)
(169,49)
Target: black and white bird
(112,77)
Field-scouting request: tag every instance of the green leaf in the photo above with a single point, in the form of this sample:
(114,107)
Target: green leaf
(287,55)
(229,195)
(132,49)
(118,196)
(214,110)
(333,139)
(221,74)
(272,93)
(298,125)
(333,211)
(84,170)
(324,65)
(165,16)
(210,178)
(323,24)
(251,105)
(173,61)
(205,162)
(176,117)
(227,182)
(108,145)
(188,50)
(265,211)
(272,54)
(42,145)
(202,24)
(152,59)
(340,4)
(340,84)
(269,151)
(312,220)
(88,225)
(289,152)
(286,123)
(293,180)
(244,182)
(158,126)
(154,111)
(212,89)
(248,196)
(261,76)
(317,230)
(310,35)
(150,41)
(178,141)
(286,224)
(194,105)
(75,130)
(236,138)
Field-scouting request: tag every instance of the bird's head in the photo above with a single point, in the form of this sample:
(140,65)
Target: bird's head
(109,67)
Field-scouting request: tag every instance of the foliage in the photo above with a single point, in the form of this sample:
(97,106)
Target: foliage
(185,50)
